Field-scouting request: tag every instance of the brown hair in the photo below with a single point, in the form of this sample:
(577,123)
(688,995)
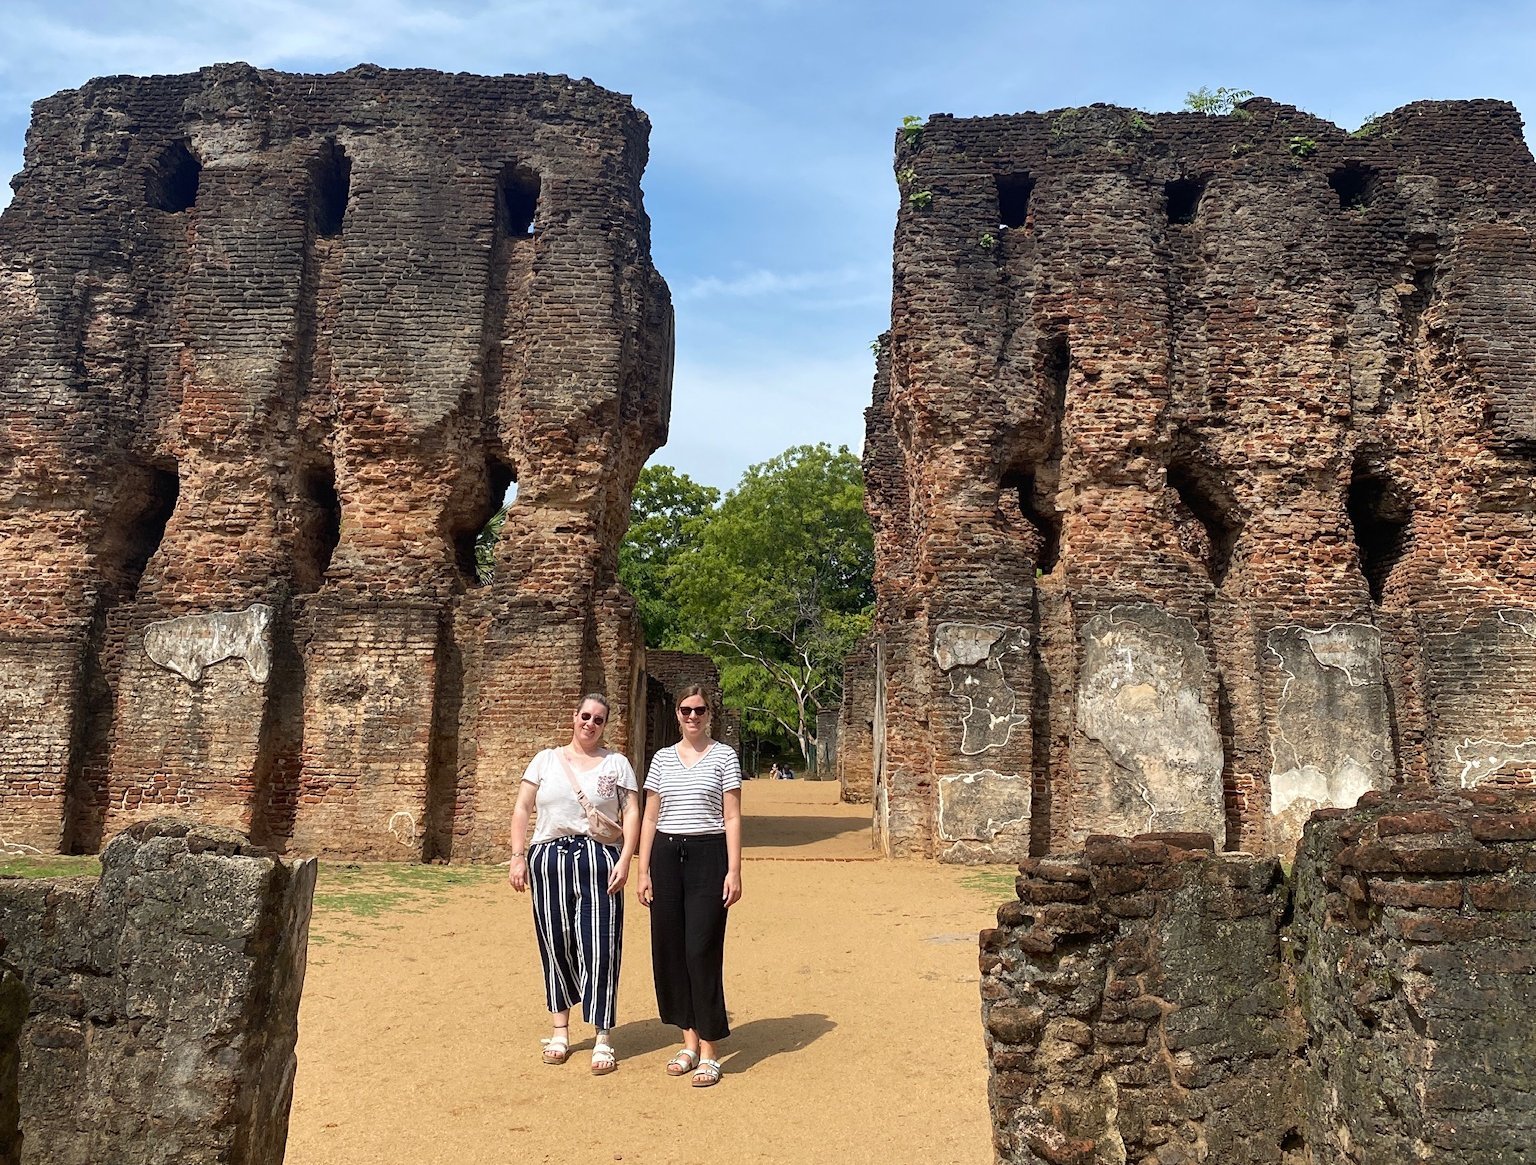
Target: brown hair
(595,698)
(692,690)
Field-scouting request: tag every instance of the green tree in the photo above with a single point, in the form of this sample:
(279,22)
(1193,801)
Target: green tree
(777,586)
(666,511)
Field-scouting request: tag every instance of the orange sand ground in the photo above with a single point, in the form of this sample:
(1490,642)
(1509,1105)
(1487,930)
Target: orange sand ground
(852,984)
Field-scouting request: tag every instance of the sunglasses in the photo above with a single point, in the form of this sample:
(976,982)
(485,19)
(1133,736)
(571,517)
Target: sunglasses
(692,710)
(596,718)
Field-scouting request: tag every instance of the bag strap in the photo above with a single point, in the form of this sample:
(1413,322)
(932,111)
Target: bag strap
(570,775)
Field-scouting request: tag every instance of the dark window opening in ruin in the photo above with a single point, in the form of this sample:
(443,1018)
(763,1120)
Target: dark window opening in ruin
(320,526)
(330,187)
(1182,197)
(1013,191)
(475,546)
(517,201)
(1056,361)
(1045,521)
(1354,183)
(1203,498)
(172,181)
(146,512)
(1381,517)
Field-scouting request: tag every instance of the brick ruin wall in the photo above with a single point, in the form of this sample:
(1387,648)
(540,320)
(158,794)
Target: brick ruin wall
(1150,1001)
(1200,465)
(272,349)
(668,673)
(855,758)
(164,1001)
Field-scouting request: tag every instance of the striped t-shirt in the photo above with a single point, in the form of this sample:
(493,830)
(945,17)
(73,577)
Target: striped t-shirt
(693,797)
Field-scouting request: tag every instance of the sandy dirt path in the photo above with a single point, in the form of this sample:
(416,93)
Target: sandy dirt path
(852,987)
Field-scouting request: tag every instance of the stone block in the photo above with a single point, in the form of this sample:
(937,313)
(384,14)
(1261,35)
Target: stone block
(165,1000)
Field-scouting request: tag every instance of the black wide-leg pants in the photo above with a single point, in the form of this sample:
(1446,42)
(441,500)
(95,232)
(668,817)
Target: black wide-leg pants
(688,931)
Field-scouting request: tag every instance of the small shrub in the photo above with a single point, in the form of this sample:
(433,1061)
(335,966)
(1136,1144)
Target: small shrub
(920,199)
(912,128)
(1218,102)
(1301,147)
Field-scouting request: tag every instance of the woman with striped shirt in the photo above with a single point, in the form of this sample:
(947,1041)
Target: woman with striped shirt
(577,881)
(690,875)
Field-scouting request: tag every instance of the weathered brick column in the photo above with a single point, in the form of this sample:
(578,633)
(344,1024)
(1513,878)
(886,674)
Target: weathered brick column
(1143,1002)
(1132,1006)
(165,998)
(1415,940)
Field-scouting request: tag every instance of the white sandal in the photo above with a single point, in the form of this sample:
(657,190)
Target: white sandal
(557,1049)
(683,1063)
(603,1059)
(707,1074)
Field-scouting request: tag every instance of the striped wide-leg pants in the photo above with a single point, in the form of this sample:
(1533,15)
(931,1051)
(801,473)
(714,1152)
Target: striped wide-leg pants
(579,924)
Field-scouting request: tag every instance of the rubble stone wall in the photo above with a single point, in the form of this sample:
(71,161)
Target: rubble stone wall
(164,1000)
(272,349)
(1199,460)
(1150,1000)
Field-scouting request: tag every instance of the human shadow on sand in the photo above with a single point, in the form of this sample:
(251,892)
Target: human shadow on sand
(793,831)
(749,1044)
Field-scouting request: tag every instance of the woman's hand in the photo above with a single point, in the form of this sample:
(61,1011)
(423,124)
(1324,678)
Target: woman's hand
(732,891)
(643,888)
(517,873)
(618,876)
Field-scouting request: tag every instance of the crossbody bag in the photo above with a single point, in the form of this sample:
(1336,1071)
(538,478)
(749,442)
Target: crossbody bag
(600,827)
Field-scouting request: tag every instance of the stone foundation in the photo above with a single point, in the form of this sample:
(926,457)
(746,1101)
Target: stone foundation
(164,1001)
(1150,1001)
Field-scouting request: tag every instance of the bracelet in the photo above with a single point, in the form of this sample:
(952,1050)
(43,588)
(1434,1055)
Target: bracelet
(519,855)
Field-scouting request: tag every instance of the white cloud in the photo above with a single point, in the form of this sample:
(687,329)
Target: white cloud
(761,282)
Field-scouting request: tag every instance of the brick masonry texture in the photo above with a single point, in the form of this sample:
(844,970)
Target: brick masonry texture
(1151,1001)
(272,348)
(164,1000)
(666,674)
(1200,461)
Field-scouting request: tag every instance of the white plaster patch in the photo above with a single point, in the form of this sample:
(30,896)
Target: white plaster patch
(1481,760)
(978,806)
(193,643)
(1339,789)
(964,644)
(1316,768)
(1343,646)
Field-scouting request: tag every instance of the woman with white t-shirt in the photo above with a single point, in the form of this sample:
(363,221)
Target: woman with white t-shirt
(577,881)
(690,875)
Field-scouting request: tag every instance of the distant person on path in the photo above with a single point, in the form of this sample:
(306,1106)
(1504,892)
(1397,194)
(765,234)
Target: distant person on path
(690,876)
(578,879)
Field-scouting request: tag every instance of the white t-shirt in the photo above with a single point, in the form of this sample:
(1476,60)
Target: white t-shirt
(559,813)
(693,796)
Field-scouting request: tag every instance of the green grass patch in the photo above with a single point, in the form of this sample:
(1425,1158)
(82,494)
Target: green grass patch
(995,884)
(372,890)
(51,867)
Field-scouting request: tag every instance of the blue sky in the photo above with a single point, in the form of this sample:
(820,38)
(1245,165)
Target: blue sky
(769,187)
